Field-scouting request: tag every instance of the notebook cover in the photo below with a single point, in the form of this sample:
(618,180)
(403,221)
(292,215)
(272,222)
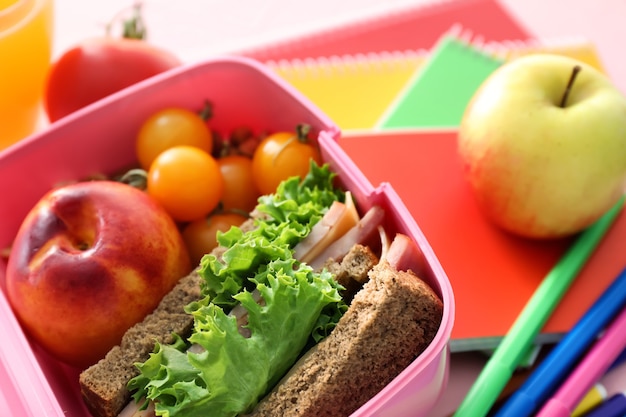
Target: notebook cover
(493,273)
(412,28)
(437,94)
(355,90)
(579,48)
(352,90)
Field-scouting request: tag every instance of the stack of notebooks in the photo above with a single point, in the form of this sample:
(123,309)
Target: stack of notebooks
(397,86)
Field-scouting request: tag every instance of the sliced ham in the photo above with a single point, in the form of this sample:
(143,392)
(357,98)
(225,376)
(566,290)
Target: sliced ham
(404,254)
(339,218)
(364,232)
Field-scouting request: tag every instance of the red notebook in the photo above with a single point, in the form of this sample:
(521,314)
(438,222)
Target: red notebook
(493,273)
(414,28)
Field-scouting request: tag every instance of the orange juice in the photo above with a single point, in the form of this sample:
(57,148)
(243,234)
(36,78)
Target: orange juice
(25,53)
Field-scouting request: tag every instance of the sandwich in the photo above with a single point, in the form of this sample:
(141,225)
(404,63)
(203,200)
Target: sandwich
(308,309)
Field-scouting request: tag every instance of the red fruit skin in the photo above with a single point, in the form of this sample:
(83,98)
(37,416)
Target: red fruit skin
(98,67)
(90,260)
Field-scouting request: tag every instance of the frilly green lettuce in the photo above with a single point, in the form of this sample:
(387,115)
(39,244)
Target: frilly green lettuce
(232,372)
(290,213)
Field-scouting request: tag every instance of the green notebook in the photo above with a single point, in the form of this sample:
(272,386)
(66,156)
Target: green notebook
(437,94)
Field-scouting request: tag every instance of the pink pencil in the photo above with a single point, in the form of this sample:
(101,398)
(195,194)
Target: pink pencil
(613,382)
(589,370)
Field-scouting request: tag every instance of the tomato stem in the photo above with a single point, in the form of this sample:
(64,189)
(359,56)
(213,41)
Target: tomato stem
(133,27)
(302,131)
(226,149)
(207,111)
(301,135)
(240,212)
(136,177)
(220,210)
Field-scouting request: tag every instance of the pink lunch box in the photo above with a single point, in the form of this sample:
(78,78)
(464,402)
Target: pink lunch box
(100,138)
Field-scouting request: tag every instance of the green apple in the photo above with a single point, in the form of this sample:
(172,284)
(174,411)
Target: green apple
(543,144)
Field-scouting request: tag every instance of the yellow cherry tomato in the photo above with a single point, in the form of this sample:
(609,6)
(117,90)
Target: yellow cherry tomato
(171,127)
(187,181)
(282,155)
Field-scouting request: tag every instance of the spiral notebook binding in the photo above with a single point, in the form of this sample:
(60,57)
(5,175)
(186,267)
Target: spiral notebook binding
(377,19)
(474,42)
(340,84)
(400,60)
(372,62)
(505,50)
(384,21)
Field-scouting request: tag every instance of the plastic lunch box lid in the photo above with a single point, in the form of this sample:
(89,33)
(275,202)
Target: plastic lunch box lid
(24,389)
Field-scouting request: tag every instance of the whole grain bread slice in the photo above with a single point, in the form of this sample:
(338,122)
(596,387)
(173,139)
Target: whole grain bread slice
(390,322)
(103,385)
(351,271)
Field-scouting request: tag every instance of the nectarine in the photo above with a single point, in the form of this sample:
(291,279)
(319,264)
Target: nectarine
(90,260)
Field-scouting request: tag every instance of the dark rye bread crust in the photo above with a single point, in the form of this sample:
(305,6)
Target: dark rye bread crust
(390,322)
(103,385)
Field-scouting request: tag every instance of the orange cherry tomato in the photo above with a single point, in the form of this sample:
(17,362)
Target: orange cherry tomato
(171,127)
(187,181)
(200,236)
(240,191)
(282,155)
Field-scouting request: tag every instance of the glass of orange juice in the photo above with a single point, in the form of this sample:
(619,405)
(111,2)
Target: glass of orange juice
(25,54)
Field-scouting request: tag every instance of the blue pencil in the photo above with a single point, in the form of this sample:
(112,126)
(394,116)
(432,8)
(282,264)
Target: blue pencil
(546,378)
(613,407)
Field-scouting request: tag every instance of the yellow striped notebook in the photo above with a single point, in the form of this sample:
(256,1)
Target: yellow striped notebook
(352,90)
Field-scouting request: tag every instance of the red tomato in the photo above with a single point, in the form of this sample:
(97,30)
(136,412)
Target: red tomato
(240,191)
(200,236)
(186,181)
(282,155)
(98,67)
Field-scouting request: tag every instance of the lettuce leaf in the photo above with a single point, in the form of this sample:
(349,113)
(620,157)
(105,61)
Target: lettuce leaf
(298,306)
(296,201)
(234,372)
(290,213)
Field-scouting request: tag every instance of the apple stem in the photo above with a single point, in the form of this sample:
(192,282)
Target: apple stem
(570,83)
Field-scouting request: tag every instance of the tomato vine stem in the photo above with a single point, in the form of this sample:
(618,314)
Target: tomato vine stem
(136,177)
(133,27)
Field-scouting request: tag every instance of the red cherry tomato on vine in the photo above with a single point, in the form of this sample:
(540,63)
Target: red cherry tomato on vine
(200,236)
(171,127)
(282,155)
(240,191)
(186,181)
(98,67)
